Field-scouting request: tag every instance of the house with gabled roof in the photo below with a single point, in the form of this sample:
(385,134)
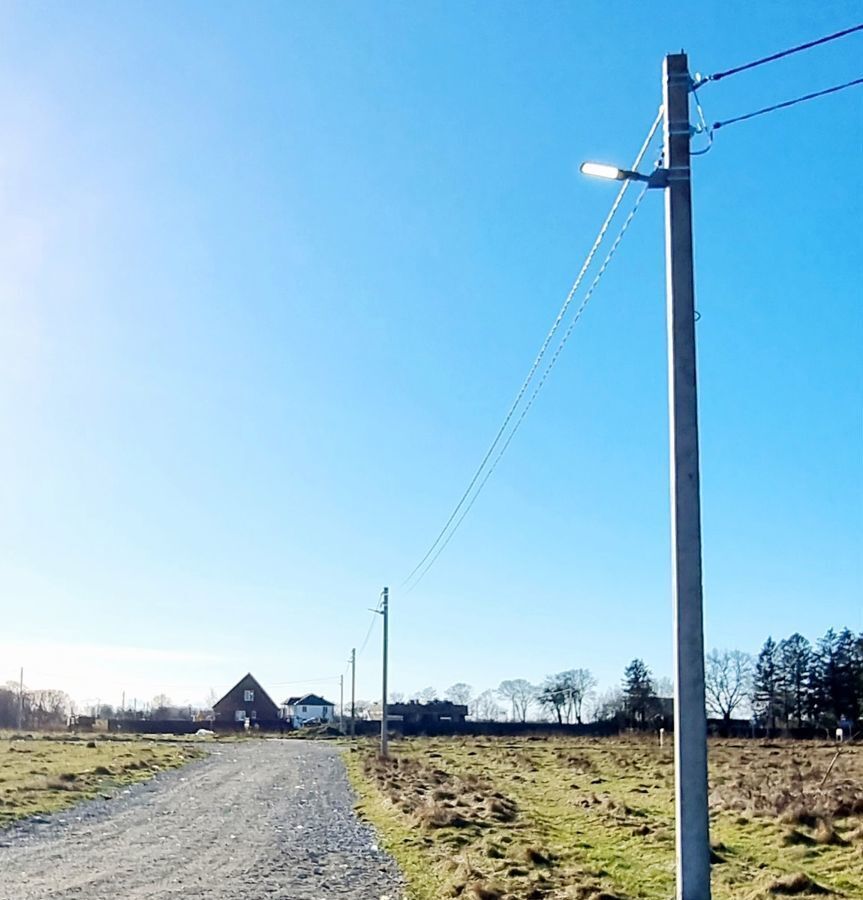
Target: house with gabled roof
(307,709)
(248,702)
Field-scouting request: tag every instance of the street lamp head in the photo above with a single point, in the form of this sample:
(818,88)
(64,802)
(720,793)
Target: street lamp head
(600,170)
(657,179)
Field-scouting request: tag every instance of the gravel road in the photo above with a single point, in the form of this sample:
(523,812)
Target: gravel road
(257,820)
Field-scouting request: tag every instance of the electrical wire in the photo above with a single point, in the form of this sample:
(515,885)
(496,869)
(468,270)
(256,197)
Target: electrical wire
(718,76)
(701,127)
(598,277)
(305,680)
(375,614)
(768,109)
(545,345)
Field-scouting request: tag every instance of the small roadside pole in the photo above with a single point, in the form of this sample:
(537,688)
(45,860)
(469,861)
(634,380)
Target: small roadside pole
(353,692)
(385,612)
(21,700)
(342,703)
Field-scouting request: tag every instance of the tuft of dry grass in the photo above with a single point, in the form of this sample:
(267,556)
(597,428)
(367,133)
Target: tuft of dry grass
(825,833)
(795,885)
(480,891)
(535,857)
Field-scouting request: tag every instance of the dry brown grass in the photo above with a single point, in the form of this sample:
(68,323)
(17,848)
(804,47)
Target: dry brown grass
(797,885)
(44,775)
(435,798)
(786,783)
(570,819)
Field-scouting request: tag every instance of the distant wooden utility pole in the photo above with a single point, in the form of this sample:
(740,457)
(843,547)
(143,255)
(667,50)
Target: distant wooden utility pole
(21,700)
(385,612)
(353,692)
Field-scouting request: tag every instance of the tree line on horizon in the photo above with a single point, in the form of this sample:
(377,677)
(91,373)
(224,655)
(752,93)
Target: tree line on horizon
(49,709)
(38,709)
(797,684)
(791,683)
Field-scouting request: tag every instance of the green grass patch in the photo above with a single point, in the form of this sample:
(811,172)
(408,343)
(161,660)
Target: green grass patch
(509,819)
(43,775)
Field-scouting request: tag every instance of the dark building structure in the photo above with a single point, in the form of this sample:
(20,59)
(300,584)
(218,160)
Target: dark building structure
(247,700)
(428,714)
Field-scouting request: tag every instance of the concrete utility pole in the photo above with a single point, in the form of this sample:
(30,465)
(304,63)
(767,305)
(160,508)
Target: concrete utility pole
(690,725)
(353,691)
(385,612)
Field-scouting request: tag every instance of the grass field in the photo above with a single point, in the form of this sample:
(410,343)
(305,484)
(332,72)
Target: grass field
(47,773)
(522,819)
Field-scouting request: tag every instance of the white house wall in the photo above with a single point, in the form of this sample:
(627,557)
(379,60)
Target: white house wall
(301,714)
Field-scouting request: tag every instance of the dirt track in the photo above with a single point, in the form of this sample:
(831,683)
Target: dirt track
(260,819)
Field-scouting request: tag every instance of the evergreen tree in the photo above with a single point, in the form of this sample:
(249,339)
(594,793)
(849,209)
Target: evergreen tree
(848,674)
(766,686)
(833,684)
(795,677)
(858,674)
(638,687)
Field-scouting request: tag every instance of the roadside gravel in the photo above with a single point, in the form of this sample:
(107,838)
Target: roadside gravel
(256,820)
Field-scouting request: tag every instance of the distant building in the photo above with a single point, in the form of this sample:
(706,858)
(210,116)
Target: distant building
(247,700)
(82,723)
(427,714)
(308,709)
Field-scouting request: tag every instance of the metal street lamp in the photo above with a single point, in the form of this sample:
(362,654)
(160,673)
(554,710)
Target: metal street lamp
(657,179)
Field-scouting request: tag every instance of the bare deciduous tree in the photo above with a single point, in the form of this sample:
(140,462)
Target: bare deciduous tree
(521,694)
(564,694)
(727,681)
(580,684)
(554,696)
(663,686)
(608,705)
(458,693)
(485,707)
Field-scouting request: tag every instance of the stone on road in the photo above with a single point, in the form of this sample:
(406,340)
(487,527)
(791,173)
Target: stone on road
(255,820)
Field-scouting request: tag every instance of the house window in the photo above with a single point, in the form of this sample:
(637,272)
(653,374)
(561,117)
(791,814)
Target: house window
(304,709)
(249,696)
(240,715)
(254,714)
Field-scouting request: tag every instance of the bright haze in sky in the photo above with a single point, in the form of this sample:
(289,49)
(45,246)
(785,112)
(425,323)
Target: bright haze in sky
(273,273)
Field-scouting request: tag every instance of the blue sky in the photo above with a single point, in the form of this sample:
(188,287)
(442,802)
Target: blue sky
(273,273)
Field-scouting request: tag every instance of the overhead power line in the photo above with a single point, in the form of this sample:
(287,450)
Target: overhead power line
(375,614)
(784,105)
(540,355)
(602,269)
(305,680)
(718,76)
